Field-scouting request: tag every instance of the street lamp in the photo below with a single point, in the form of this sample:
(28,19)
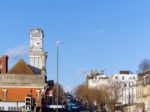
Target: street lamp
(57,46)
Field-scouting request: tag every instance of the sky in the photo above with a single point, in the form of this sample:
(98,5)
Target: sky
(109,35)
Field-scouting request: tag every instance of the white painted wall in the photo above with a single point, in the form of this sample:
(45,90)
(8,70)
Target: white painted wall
(99,80)
(128,89)
(6,105)
(35,55)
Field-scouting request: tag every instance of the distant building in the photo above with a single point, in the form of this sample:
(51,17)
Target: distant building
(24,80)
(97,79)
(128,81)
(125,78)
(37,55)
(143,92)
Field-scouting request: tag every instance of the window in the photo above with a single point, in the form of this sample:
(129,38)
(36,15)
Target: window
(1,108)
(125,85)
(116,77)
(122,77)
(147,80)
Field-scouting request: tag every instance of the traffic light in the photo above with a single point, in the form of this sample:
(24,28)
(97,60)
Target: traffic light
(28,103)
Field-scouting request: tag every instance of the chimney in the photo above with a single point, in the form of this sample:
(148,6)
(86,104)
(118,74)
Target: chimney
(4,63)
(124,72)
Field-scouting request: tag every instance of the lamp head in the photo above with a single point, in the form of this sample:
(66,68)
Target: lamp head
(59,42)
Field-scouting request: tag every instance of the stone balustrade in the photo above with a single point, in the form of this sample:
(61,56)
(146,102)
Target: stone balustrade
(22,79)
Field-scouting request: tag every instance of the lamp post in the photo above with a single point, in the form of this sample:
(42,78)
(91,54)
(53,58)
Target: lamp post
(57,93)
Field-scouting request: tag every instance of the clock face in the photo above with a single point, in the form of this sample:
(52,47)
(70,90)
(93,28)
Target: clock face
(37,44)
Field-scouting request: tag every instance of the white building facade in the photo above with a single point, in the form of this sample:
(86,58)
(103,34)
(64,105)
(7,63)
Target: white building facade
(36,54)
(125,78)
(98,80)
(128,89)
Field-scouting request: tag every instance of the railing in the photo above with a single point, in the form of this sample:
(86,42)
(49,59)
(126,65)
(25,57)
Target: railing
(22,78)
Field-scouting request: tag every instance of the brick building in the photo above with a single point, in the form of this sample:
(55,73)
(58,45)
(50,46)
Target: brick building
(24,80)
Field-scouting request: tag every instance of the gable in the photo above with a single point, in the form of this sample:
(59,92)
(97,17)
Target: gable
(21,68)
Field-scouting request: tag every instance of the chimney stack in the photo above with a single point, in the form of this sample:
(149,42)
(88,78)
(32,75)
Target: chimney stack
(4,64)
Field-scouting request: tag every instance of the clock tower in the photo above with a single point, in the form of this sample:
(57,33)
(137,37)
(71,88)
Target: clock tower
(37,55)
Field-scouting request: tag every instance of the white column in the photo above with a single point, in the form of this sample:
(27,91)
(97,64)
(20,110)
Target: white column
(5,94)
(38,93)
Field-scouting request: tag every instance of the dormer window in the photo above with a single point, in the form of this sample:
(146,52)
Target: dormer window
(125,85)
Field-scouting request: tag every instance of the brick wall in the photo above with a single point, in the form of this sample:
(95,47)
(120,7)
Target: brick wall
(19,94)
(4,64)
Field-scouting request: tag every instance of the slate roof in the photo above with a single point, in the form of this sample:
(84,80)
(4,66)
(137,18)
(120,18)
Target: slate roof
(21,68)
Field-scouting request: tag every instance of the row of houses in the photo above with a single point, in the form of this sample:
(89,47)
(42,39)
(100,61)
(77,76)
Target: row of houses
(134,92)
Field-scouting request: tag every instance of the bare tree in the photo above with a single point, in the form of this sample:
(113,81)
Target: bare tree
(82,91)
(144,66)
(60,93)
(100,97)
(103,96)
(113,95)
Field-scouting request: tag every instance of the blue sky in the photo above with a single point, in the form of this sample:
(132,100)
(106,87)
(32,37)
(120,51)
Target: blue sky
(108,35)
